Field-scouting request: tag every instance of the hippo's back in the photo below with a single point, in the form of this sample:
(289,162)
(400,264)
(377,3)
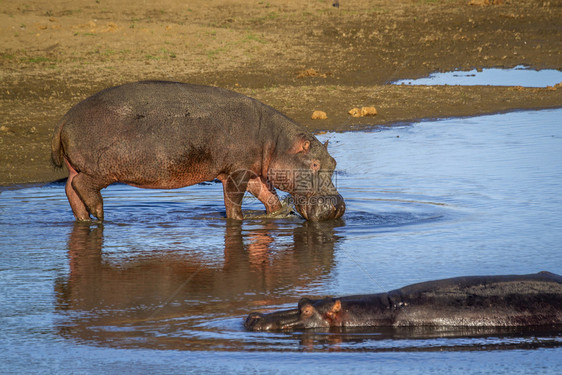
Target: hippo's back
(160,101)
(512,300)
(542,282)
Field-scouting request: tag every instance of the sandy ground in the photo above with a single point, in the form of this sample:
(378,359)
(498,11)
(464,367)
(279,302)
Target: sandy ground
(297,56)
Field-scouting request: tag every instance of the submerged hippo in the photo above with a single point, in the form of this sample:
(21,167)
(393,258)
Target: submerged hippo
(491,301)
(167,135)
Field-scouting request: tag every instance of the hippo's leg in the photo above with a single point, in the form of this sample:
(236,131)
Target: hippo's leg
(261,189)
(78,207)
(234,187)
(88,189)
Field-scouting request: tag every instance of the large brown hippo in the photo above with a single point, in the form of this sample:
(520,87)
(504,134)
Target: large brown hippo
(167,135)
(474,301)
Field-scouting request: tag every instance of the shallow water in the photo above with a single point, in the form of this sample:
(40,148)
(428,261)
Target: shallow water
(518,76)
(164,284)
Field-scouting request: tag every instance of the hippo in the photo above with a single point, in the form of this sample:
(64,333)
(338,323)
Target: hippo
(166,135)
(472,301)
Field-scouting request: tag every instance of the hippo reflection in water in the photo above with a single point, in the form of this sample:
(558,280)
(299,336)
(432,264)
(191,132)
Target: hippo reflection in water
(474,301)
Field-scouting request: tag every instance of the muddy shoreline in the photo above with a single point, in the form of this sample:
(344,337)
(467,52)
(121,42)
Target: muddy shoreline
(297,57)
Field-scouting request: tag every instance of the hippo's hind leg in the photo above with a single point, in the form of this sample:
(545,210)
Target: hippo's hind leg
(88,189)
(78,208)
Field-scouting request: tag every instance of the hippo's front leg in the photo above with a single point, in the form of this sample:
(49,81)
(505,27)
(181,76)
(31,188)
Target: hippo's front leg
(265,192)
(234,187)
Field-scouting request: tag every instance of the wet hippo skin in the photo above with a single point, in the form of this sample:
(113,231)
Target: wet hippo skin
(166,135)
(474,301)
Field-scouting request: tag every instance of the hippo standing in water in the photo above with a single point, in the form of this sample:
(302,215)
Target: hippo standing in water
(167,135)
(476,301)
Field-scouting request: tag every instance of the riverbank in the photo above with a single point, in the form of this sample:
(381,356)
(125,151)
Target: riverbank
(295,56)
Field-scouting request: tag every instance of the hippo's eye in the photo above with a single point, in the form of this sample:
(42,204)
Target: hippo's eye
(315,165)
(307,311)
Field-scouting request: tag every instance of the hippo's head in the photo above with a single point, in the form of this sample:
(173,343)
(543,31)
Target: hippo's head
(309,314)
(304,168)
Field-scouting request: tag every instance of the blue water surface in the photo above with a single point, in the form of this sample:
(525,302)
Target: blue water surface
(164,284)
(517,76)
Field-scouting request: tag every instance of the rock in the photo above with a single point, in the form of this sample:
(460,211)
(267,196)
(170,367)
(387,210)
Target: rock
(368,111)
(110,28)
(311,73)
(319,115)
(486,2)
(355,112)
(363,111)
(6,130)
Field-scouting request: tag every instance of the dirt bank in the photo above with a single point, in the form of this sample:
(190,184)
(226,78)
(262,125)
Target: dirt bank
(298,56)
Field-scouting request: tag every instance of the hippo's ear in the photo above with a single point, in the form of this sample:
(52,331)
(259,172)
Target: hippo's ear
(301,145)
(334,310)
(326,143)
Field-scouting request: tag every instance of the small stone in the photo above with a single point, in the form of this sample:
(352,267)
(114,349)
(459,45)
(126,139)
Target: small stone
(355,112)
(368,111)
(363,111)
(479,2)
(319,115)
(311,73)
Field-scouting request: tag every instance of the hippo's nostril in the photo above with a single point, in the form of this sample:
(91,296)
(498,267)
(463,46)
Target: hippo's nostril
(320,207)
(340,207)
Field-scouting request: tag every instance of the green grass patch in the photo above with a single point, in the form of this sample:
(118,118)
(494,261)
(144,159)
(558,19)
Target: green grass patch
(271,16)
(35,60)
(251,37)
(212,54)
(7,56)
(84,34)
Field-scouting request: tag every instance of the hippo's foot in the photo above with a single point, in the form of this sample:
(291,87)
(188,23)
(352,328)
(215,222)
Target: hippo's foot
(83,219)
(86,196)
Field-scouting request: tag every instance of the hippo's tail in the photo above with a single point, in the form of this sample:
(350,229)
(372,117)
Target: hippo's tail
(57,157)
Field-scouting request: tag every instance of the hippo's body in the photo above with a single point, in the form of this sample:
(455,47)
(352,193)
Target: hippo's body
(490,301)
(167,135)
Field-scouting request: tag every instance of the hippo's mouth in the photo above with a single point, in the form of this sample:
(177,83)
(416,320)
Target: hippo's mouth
(320,207)
(275,321)
(304,317)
